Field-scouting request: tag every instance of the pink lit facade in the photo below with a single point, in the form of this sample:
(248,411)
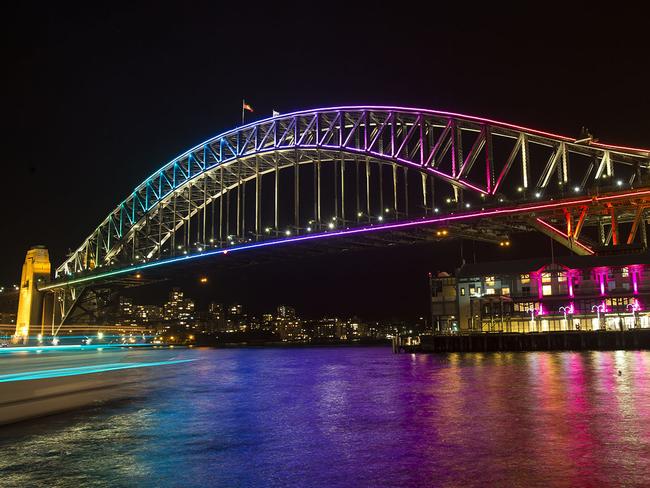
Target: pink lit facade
(574,293)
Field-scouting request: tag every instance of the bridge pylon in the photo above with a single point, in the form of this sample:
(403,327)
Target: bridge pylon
(36,271)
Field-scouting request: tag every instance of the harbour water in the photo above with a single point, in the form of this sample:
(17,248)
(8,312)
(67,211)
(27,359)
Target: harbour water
(353,416)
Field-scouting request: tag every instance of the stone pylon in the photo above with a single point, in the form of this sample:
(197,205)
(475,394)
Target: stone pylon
(36,272)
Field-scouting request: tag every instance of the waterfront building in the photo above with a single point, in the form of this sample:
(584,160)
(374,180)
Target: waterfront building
(536,295)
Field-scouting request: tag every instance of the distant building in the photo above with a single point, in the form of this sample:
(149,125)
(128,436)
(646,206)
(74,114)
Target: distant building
(288,326)
(216,317)
(286,312)
(148,314)
(7,318)
(178,311)
(236,310)
(125,313)
(533,295)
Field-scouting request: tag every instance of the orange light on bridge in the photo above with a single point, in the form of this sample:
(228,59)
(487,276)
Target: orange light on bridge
(442,232)
(203,280)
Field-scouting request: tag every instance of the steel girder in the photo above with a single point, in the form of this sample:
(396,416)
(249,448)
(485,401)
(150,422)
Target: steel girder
(464,161)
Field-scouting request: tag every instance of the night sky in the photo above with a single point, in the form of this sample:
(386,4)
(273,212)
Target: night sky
(96,98)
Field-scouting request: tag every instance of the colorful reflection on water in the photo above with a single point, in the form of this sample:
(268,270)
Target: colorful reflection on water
(354,417)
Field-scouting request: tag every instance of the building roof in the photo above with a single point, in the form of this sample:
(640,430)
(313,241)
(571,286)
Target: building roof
(520,266)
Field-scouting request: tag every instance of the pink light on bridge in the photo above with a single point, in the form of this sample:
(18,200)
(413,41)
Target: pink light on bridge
(635,282)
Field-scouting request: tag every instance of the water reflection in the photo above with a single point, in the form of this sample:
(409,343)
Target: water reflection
(355,417)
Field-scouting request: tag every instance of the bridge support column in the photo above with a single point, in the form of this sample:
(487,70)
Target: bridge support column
(36,271)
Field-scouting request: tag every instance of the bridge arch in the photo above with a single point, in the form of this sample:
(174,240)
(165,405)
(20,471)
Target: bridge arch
(467,160)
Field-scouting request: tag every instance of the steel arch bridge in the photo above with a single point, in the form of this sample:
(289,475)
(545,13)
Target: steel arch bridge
(356,171)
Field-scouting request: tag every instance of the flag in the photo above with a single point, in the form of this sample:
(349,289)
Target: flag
(275,113)
(246,106)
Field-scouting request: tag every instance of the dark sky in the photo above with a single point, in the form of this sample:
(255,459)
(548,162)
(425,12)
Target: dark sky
(96,98)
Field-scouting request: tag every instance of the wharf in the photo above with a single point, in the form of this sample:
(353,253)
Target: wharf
(538,341)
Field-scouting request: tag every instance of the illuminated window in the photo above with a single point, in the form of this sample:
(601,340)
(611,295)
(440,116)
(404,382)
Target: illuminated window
(478,290)
(547,290)
(561,277)
(546,277)
(489,291)
(625,272)
(489,281)
(462,291)
(525,278)
(505,290)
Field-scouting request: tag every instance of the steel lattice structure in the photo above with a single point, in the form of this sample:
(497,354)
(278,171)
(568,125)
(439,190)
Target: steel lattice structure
(352,170)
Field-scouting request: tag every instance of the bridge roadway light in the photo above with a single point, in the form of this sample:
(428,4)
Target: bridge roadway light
(619,182)
(538,194)
(308,229)
(287,232)
(436,210)
(380,218)
(330,225)
(576,189)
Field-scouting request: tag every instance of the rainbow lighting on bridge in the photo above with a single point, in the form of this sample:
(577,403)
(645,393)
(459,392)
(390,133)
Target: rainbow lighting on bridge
(348,173)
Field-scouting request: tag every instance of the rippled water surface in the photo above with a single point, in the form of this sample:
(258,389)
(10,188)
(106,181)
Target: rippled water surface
(334,417)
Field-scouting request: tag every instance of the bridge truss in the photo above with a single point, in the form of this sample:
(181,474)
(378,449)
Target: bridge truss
(353,171)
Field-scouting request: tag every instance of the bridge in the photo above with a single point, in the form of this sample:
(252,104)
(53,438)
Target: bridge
(351,177)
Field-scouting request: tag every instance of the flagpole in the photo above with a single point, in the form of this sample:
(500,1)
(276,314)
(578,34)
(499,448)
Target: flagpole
(243,102)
